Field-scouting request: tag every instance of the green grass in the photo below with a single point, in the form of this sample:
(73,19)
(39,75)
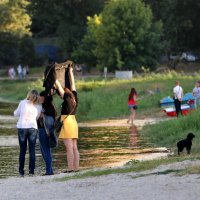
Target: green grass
(138,166)
(100,99)
(167,133)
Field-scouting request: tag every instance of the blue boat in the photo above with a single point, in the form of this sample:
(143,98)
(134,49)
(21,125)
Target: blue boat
(166,102)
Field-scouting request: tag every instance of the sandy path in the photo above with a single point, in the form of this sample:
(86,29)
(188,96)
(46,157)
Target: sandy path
(148,185)
(121,122)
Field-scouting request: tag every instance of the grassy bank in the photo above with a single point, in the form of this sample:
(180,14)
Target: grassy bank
(100,99)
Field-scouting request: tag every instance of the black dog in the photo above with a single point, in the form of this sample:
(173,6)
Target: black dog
(186,143)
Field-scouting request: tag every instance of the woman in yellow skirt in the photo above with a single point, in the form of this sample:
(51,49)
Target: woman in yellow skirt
(69,131)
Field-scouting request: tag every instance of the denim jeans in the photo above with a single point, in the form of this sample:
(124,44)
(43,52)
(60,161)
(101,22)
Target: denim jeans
(44,143)
(27,135)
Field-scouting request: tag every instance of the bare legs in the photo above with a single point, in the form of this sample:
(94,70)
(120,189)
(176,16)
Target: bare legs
(72,154)
(132,115)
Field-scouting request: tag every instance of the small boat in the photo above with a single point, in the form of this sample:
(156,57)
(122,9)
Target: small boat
(188,104)
(171,112)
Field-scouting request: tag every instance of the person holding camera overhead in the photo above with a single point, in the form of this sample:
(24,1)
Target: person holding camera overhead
(69,130)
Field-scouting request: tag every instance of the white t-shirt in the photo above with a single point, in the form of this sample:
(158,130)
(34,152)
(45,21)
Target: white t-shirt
(28,114)
(178,92)
(196,92)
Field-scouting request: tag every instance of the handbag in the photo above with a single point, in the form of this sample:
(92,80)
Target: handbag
(58,124)
(53,140)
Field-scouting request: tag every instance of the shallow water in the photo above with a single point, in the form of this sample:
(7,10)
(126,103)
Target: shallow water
(98,147)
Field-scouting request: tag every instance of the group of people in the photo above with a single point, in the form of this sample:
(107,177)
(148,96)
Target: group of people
(22,72)
(37,115)
(177,96)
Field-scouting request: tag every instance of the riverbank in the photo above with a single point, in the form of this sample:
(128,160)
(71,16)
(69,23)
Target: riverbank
(159,183)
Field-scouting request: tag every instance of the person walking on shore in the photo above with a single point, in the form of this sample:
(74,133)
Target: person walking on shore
(69,131)
(178,95)
(132,104)
(28,112)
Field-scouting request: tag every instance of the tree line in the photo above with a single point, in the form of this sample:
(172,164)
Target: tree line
(118,34)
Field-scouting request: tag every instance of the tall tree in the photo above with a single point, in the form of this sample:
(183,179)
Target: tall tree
(63,19)
(180,22)
(73,20)
(126,37)
(85,51)
(14,17)
(14,26)
(44,17)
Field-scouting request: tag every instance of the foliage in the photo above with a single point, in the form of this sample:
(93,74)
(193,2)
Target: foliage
(180,19)
(71,16)
(26,51)
(171,131)
(10,13)
(9,47)
(125,37)
(100,99)
(14,28)
(85,51)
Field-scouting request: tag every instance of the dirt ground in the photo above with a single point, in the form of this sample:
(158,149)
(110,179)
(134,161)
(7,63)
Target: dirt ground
(161,183)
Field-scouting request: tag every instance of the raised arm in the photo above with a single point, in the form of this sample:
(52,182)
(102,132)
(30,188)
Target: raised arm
(59,88)
(71,79)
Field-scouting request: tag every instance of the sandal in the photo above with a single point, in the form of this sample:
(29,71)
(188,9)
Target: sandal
(68,171)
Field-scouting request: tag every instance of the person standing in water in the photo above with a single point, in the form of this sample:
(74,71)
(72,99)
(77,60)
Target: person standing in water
(69,130)
(132,105)
(28,112)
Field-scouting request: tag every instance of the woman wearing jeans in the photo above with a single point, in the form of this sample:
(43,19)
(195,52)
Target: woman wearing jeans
(28,113)
(45,127)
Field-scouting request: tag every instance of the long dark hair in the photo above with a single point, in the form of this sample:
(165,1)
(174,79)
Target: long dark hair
(132,92)
(74,101)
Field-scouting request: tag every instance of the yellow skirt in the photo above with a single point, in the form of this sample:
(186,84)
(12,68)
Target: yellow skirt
(70,127)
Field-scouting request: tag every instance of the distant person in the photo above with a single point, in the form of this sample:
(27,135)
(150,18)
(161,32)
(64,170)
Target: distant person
(45,127)
(178,95)
(132,105)
(196,94)
(27,69)
(19,71)
(11,73)
(69,131)
(157,90)
(28,112)
(24,72)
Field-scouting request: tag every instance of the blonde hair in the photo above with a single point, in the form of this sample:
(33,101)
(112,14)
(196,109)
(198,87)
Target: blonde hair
(33,96)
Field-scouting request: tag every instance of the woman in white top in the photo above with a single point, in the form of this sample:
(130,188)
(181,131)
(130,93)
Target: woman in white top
(28,112)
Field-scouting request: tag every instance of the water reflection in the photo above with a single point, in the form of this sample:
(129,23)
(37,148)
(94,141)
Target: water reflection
(99,147)
(134,135)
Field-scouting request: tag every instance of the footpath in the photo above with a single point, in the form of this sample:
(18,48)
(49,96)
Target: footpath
(161,183)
